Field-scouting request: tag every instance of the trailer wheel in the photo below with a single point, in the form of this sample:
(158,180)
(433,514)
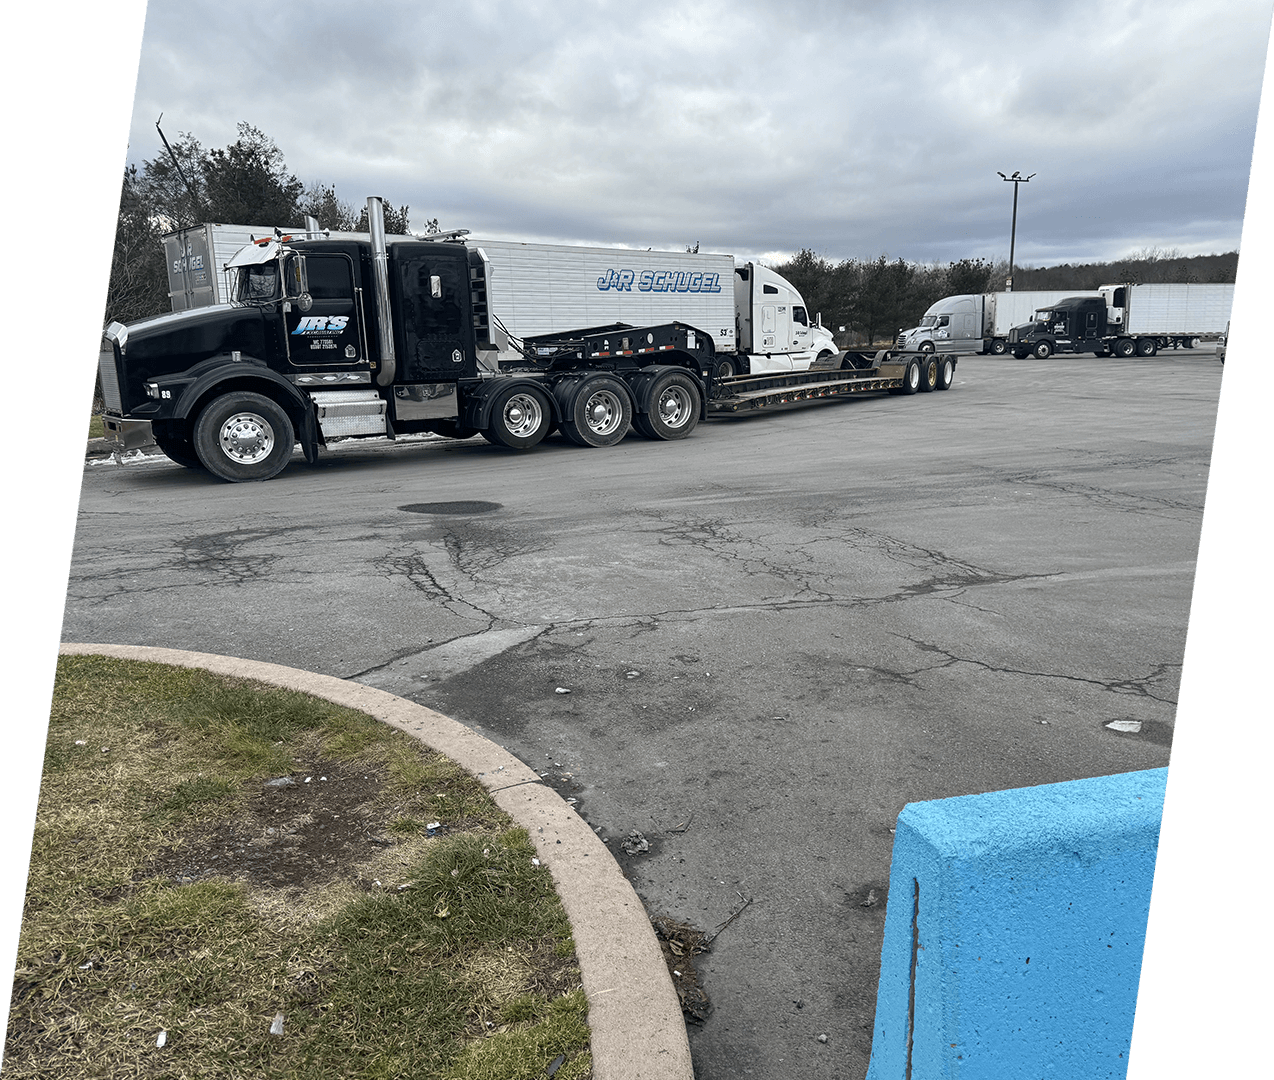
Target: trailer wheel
(1042,351)
(928,374)
(1192,343)
(1147,346)
(674,408)
(1125,347)
(599,412)
(998,348)
(520,418)
(910,378)
(946,374)
(244,436)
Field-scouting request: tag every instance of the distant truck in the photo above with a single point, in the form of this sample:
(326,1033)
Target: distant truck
(976,323)
(1126,320)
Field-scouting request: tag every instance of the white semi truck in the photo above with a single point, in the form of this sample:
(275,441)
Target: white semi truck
(758,320)
(975,323)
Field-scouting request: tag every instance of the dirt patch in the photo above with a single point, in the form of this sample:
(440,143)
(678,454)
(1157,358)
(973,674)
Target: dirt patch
(297,830)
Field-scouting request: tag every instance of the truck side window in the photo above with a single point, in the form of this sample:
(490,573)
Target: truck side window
(331,277)
(770,290)
(798,315)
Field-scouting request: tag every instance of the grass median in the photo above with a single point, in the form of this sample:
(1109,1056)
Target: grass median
(231,880)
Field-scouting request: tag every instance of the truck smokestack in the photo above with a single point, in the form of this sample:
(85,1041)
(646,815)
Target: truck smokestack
(380,268)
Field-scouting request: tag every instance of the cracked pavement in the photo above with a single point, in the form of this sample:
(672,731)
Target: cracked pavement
(780,631)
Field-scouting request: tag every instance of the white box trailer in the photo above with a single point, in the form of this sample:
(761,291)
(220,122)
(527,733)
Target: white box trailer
(1194,310)
(536,289)
(196,257)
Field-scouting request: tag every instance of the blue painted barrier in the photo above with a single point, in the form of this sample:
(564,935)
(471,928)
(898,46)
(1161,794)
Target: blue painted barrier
(1014,932)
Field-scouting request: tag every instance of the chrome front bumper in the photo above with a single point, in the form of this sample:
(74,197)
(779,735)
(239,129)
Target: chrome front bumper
(127,434)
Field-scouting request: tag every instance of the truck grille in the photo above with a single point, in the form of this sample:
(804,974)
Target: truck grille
(106,370)
(901,343)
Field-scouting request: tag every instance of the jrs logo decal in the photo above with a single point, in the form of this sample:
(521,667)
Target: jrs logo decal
(321,324)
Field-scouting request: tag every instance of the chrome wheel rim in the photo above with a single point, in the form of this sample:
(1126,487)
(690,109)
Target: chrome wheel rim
(674,407)
(246,438)
(603,412)
(523,415)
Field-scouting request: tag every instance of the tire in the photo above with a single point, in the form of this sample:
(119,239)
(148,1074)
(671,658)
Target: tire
(926,346)
(1192,343)
(1147,346)
(928,374)
(1125,347)
(998,347)
(598,413)
(1020,354)
(946,374)
(242,436)
(1042,351)
(911,378)
(824,358)
(176,446)
(725,369)
(674,408)
(453,430)
(520,418)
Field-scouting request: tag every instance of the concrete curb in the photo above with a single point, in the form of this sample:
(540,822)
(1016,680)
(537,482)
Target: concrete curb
(633,1011)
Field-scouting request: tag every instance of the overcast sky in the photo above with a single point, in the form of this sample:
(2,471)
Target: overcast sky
(753,128)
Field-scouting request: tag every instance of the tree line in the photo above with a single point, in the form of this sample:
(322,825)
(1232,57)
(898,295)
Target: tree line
(245,183)
(248,183)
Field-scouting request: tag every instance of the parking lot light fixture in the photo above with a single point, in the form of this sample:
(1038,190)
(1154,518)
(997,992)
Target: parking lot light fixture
(1016,179)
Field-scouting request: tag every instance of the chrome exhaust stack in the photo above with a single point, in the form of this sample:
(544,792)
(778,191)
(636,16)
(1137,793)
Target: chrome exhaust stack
(380,270)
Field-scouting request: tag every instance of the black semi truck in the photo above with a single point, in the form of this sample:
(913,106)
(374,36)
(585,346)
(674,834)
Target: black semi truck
(336,338)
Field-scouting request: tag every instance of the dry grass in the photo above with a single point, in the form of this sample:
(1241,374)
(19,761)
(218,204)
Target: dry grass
(177,904)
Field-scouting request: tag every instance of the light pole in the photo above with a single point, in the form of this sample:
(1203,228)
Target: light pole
(1015,179)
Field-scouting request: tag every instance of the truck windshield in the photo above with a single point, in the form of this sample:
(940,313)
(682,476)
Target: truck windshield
(927,321)
(257,283)
(1044,316)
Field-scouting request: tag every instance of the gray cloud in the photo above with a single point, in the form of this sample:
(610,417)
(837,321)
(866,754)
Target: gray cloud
(750,127)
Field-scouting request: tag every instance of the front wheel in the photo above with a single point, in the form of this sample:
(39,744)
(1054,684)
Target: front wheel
(520,418)
(674,408)
(175,444)
(244,436)
(1042,351)
(598,413)
(946,374)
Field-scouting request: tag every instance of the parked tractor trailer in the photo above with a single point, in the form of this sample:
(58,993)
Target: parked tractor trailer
(1123,320)
(337,338)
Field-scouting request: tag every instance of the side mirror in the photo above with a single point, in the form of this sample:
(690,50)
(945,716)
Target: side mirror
(305,301)
(297,281)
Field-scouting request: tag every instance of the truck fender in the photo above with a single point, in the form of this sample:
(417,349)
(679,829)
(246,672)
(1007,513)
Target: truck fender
(477,409)
(242,375)
(221,373)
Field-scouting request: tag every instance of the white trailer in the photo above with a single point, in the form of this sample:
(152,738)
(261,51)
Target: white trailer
(197,256)
(1168,311)
(757,320)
